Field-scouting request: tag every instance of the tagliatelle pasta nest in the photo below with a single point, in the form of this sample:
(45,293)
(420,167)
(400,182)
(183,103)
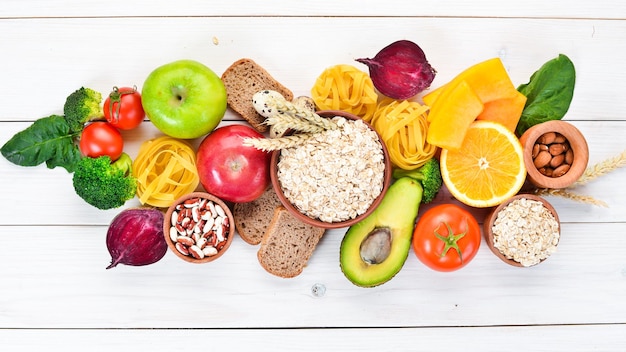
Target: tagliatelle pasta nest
(403,127)
(165,169)
(344,87)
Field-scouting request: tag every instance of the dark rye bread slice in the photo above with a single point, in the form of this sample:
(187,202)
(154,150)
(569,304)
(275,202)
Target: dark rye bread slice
(242,80)
(288,244)
(253,218)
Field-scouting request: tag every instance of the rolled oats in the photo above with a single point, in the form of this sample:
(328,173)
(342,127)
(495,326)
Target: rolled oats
(526,231)
(337,174)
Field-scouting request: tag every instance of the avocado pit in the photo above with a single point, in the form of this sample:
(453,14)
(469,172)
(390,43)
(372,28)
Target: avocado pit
(376,246)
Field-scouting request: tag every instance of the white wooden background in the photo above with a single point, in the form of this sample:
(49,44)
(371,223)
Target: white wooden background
(55,293)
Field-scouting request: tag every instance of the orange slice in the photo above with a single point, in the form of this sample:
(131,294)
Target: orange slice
(487,169)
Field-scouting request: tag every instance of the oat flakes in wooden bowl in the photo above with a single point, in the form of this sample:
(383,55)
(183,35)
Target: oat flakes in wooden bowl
(523,231)
(337,178)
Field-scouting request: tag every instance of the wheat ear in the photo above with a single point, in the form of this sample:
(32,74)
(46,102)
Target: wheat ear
(570,195)
(285,107)
(270,144)
(590,174)
(601,168)
(283,122)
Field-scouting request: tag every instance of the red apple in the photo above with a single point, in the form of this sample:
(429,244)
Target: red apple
(230,170)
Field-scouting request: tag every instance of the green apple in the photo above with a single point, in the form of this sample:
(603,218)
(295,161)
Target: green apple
(184,99)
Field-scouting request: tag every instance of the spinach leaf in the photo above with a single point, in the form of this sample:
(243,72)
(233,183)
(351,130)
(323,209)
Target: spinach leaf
(548,93)
(48,140)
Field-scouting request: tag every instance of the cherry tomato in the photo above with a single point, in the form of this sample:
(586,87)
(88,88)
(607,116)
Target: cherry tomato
(446,237)
(123,109)
(101,138)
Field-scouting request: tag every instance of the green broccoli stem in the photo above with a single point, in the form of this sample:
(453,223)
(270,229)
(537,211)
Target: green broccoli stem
(415,174)
(428,175)
(123,163)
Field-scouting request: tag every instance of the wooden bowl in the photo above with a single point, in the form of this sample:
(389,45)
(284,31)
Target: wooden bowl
(199,208)
(317,222)
(576,142)
(493,215)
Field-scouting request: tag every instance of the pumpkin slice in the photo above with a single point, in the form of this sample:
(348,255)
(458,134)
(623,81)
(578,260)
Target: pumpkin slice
(452,114)
(488,79)
(430,98)
(506,111)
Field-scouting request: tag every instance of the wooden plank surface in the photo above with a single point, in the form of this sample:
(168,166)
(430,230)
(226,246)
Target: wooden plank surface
(347,8)
(578,338)
(68,287)
(54,289)
(52,57)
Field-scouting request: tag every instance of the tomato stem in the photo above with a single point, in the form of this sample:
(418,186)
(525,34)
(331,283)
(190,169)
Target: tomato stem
(116,97)
(451,240)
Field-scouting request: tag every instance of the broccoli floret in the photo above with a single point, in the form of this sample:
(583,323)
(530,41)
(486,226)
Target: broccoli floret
(429,176)
(103,184)
(81,106)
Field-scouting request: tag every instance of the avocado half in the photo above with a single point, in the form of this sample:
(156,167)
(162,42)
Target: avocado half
(386,233)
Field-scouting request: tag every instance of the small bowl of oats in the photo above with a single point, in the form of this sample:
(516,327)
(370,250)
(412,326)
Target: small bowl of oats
(523,231)
(336,177)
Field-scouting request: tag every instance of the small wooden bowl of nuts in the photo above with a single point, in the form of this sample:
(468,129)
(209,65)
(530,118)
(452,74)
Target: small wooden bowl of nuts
(555,154)
(523,231)
(337,179)
(198,227)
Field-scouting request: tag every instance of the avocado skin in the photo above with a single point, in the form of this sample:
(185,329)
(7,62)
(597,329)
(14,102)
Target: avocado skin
(397,211)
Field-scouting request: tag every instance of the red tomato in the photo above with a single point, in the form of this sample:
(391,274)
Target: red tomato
(101,138)
(230,170)
(446,237)
(123,109)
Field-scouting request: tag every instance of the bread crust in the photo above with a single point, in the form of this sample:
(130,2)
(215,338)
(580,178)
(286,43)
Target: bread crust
(252,219)
(242,80)
(288,244)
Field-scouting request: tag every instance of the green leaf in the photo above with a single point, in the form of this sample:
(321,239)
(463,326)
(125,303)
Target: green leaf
(47,140)
(548,94)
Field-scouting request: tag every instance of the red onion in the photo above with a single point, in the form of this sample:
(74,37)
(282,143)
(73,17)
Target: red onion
(400,70)
(135,237)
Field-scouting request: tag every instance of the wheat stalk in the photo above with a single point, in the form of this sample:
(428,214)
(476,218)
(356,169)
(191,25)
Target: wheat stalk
(570,195)
(283,122)
(601,168)
(590,174)
(270,144)
(287,108)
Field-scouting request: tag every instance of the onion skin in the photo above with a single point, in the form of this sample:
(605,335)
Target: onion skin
(135,237)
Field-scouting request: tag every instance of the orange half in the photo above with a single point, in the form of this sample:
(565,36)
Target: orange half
(487,169)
